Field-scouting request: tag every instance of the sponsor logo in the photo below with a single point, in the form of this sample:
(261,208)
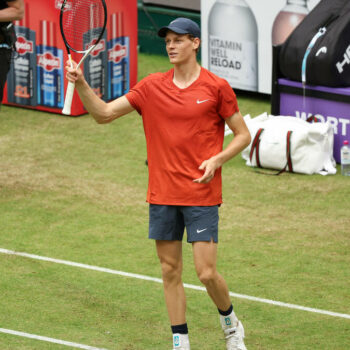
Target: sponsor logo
(67,7)
(21,91)
(49,62)
(228,321)
(117,53)
(101,46)
(23,45)
(346,60)
(199,231)
(199,102)
(323,49)
(176,340)
(341,126)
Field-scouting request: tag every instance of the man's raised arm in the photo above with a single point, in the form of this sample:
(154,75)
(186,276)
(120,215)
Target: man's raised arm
(14,11)
(101,111)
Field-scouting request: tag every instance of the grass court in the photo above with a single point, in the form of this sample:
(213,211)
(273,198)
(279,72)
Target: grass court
(74,190)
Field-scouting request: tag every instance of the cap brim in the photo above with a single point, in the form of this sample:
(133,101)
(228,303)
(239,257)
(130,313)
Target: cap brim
(162,31)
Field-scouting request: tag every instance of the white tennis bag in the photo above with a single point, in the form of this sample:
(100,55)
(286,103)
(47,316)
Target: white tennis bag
(290,144)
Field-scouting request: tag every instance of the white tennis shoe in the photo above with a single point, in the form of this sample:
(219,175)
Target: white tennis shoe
(181,342)
(235,337)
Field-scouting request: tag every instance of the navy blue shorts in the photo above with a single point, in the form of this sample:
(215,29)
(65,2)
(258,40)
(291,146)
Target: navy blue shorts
(167,222)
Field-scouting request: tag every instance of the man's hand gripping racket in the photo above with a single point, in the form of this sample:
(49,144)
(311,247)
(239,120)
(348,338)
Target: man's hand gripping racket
(82,24)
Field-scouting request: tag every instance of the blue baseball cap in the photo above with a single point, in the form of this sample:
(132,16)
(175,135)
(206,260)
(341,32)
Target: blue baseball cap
(181,25)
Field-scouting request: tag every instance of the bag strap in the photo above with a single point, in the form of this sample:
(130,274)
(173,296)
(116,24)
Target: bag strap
(255,147)
(313,119)
(289,152)
(289,163)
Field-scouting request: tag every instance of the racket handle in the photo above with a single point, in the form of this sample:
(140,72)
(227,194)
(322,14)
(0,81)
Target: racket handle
(68,100)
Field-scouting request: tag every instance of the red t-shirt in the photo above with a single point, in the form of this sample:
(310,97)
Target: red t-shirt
(183,127)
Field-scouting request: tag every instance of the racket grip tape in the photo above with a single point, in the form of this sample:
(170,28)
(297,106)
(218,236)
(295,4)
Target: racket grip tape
(68,100)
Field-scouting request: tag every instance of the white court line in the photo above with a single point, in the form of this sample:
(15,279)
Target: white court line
(50,340)
(186,285)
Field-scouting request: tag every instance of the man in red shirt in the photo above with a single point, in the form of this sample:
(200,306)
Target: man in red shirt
(184,112)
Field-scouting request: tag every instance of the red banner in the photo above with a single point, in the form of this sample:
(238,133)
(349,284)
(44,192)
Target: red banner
(37,80)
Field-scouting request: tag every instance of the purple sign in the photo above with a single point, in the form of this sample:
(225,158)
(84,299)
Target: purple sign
(336,112)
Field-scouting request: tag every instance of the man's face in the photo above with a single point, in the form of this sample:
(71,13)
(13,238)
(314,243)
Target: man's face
(180,47)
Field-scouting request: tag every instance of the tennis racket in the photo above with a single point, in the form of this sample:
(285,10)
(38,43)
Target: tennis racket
(82,24)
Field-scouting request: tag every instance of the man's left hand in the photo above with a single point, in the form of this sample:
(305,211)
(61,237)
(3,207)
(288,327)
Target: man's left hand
(209,166)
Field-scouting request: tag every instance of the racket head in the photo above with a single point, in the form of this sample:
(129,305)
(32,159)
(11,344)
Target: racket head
(82,23)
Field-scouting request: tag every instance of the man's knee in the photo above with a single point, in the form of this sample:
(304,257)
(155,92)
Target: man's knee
(171,271)
(207,275)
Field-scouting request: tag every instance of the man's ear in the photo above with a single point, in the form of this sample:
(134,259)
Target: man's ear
(196,43)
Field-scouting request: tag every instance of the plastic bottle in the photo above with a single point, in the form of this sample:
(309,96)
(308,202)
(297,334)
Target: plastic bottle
(21,80)
(288,19)
(95,69)
(49,67)
(118,57)
(345,159)
(233,43)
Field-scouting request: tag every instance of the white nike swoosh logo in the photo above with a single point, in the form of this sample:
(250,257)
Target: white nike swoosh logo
(321,50)
(199,231)
(201,101)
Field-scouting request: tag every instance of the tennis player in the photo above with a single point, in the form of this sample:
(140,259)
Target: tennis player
(184,112)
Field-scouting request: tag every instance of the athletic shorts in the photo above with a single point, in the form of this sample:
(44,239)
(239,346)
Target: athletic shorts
(168,222)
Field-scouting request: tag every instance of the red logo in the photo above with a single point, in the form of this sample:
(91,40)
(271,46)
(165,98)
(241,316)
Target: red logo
(117,53)
(23,46)
(101,46)
(58,5)
(48,61)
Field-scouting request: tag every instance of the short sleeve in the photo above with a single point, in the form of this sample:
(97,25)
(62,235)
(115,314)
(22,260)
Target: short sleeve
(227,101)
(137,96)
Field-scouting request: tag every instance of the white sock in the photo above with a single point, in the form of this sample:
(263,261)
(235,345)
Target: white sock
(229,321)
(181,341)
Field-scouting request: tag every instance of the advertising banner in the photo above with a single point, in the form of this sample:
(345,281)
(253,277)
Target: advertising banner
(237,37)
(37,77)
(330,105)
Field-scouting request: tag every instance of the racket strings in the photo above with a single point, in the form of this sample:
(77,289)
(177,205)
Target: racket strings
(83,23)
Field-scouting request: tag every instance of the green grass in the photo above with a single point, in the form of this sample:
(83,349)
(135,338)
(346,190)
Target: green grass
(75,190)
